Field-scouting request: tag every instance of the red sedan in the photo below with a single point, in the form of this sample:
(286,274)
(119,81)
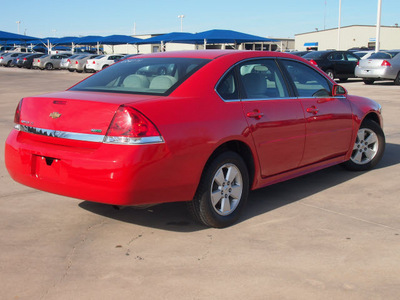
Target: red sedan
(197,126)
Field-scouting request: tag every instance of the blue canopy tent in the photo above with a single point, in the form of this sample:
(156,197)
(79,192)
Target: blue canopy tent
(166,38)
(8,36)
(219,36)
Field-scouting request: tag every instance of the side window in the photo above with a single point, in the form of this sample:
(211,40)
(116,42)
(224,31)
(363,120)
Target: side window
(227,87)
(308,82)
(351,57)
(262,79)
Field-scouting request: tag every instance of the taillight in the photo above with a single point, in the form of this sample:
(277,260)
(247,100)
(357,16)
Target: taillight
(24,59)
(313,62)
(358,63)
(17,116)
(94,62)
(38,60)
(69,60)
(76,62)
(131,127)
(385,63)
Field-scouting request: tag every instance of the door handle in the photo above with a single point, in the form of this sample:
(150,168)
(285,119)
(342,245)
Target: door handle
(256,114)
(312,110)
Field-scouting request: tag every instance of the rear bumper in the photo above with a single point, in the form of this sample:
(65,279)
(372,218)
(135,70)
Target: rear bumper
(112,174)
(379,73)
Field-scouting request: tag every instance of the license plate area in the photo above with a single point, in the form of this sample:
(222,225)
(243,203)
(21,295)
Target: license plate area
(44,167)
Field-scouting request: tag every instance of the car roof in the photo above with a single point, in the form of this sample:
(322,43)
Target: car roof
(213,54)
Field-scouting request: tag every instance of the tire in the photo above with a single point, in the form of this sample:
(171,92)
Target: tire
(368,81)
(368,148)
(105,66)
(71,70)
(49,66)
(8,64)
(397,80)
(330,73)
(222,192)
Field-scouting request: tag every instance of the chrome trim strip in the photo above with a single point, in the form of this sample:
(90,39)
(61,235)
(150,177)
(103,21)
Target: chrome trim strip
(89,137)
(61,134)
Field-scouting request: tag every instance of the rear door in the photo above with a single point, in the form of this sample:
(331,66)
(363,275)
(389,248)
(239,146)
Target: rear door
(275,119)
(328,119)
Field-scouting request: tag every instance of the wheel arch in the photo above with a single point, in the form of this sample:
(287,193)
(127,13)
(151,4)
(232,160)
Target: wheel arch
(373,117)
(240,148)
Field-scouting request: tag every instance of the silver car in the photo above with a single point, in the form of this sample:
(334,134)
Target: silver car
(79,63)
(384,65)
(65,62)
(48,62)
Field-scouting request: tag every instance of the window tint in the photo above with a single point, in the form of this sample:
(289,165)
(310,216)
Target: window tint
(227,87)
(308,82)
(158,76)
(262,79)
(337,57)
(351,57)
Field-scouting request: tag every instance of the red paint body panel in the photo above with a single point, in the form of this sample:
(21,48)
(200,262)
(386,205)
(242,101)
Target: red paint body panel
(193,121)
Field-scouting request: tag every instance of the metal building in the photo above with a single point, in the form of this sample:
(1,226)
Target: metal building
(348,37)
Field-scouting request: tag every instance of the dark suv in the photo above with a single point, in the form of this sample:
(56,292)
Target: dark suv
(337,64)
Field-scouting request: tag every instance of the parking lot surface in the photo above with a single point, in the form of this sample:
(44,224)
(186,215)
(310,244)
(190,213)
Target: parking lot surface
(331,234)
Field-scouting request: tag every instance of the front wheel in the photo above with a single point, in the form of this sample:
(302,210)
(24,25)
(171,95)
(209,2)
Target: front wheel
(222,192)
(368,148)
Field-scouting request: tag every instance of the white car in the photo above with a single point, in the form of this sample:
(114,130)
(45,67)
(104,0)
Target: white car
(101,62)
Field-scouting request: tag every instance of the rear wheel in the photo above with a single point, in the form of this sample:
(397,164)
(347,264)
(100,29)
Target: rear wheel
(368,81)
(368,148)
(222,192)
(105,66)
(330,73)
(397,80)
(49,66)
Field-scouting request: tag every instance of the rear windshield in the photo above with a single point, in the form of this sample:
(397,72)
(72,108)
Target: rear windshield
(384,55)
(154,76)
(314,55)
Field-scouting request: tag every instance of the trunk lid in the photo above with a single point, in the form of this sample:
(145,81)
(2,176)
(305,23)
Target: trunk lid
(76,112)
(371,63)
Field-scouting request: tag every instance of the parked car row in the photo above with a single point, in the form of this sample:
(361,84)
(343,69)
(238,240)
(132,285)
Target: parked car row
(368,65)
(82,62)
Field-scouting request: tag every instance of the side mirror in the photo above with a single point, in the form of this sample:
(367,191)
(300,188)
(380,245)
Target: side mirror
(338,90)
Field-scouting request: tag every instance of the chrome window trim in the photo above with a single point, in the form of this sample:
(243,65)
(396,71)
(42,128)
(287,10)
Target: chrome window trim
(84,137)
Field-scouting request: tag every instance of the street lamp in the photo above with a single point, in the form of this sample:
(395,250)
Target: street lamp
(18,22)
(181,17)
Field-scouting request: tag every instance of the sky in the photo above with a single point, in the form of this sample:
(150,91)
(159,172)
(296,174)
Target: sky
(281,18)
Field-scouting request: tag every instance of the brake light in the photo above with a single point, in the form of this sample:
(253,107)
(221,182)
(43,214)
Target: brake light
(358,63)
(385,63)
(131,127)
(24,59)
(17,116)
(69,60)
(94,62)
(76,62)
(313,62)
(38,60)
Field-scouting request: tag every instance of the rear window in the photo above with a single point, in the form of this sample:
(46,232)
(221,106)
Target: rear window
(383,55)
(314,55)
(154,76)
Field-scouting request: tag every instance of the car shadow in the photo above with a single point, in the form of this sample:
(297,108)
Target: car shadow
(175,217)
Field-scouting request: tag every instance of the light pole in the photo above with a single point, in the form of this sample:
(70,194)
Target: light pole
(18,22)
(378,27)
(181,17)
(338,34)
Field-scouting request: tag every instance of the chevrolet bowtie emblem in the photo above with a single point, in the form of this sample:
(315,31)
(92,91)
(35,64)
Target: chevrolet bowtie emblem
(55,115)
